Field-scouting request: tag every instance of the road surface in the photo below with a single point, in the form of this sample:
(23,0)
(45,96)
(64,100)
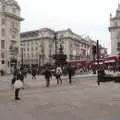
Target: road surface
(83,100)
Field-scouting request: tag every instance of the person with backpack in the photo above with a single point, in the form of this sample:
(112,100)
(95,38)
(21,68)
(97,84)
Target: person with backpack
(58,75)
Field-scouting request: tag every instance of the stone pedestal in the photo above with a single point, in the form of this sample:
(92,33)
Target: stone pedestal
(60,58)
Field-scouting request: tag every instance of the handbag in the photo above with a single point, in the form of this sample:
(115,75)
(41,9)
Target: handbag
(18,84)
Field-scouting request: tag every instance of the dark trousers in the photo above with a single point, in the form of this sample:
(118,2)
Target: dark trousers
(70,80)
(47,81)
(34,77)
(59,80)
(17,93)
(100,77)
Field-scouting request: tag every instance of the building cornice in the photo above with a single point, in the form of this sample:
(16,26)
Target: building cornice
(13,16)
(35,38)
(115,18)
(63,34)
(51,38)
(114,27)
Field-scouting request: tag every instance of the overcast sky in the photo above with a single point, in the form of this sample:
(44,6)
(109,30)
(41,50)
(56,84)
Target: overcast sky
(84,17)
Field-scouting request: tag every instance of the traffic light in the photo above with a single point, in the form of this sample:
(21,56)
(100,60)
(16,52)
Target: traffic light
(94,50)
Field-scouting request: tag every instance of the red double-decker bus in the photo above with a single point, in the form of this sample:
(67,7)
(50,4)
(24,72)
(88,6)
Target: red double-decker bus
(110,62)
(81,64)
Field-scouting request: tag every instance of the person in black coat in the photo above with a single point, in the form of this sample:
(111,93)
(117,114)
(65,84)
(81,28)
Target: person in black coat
(101,74)
(70,72)
(48,75)
(34,73)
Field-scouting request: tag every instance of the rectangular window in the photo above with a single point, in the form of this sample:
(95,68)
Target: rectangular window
(4,8)
(28,55)
(13,35)
(14,10)
(3,32)
(118,44)
(3,21)
(2,44)
(32,54)
(2,55)
(12,24)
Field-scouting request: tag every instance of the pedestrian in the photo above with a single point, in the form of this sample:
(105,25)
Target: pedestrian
(21,76)
(16,72)
(24,71)
(58,75)
(70,72)
(101,74)
(48,75)
(17,84)
(33,73)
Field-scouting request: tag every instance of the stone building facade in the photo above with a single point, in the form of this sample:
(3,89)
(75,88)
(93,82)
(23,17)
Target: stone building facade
(38,46)
(9,34)
(114,30)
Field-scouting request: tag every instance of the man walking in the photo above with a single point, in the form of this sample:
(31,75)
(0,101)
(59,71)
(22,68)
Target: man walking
(34,73)
(70,72)
(101,74)
(48,75)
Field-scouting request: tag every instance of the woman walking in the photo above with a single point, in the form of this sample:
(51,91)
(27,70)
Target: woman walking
(17,84)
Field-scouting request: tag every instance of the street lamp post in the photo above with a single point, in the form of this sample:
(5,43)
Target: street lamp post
(98,55)
(22,56)
(55,38)
(94,54)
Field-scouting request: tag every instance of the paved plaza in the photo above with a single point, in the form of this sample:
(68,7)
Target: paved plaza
(5,81)
(83,100)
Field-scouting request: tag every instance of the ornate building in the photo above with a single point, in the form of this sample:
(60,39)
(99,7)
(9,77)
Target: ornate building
(114,30)
(9,34)
(39,46)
